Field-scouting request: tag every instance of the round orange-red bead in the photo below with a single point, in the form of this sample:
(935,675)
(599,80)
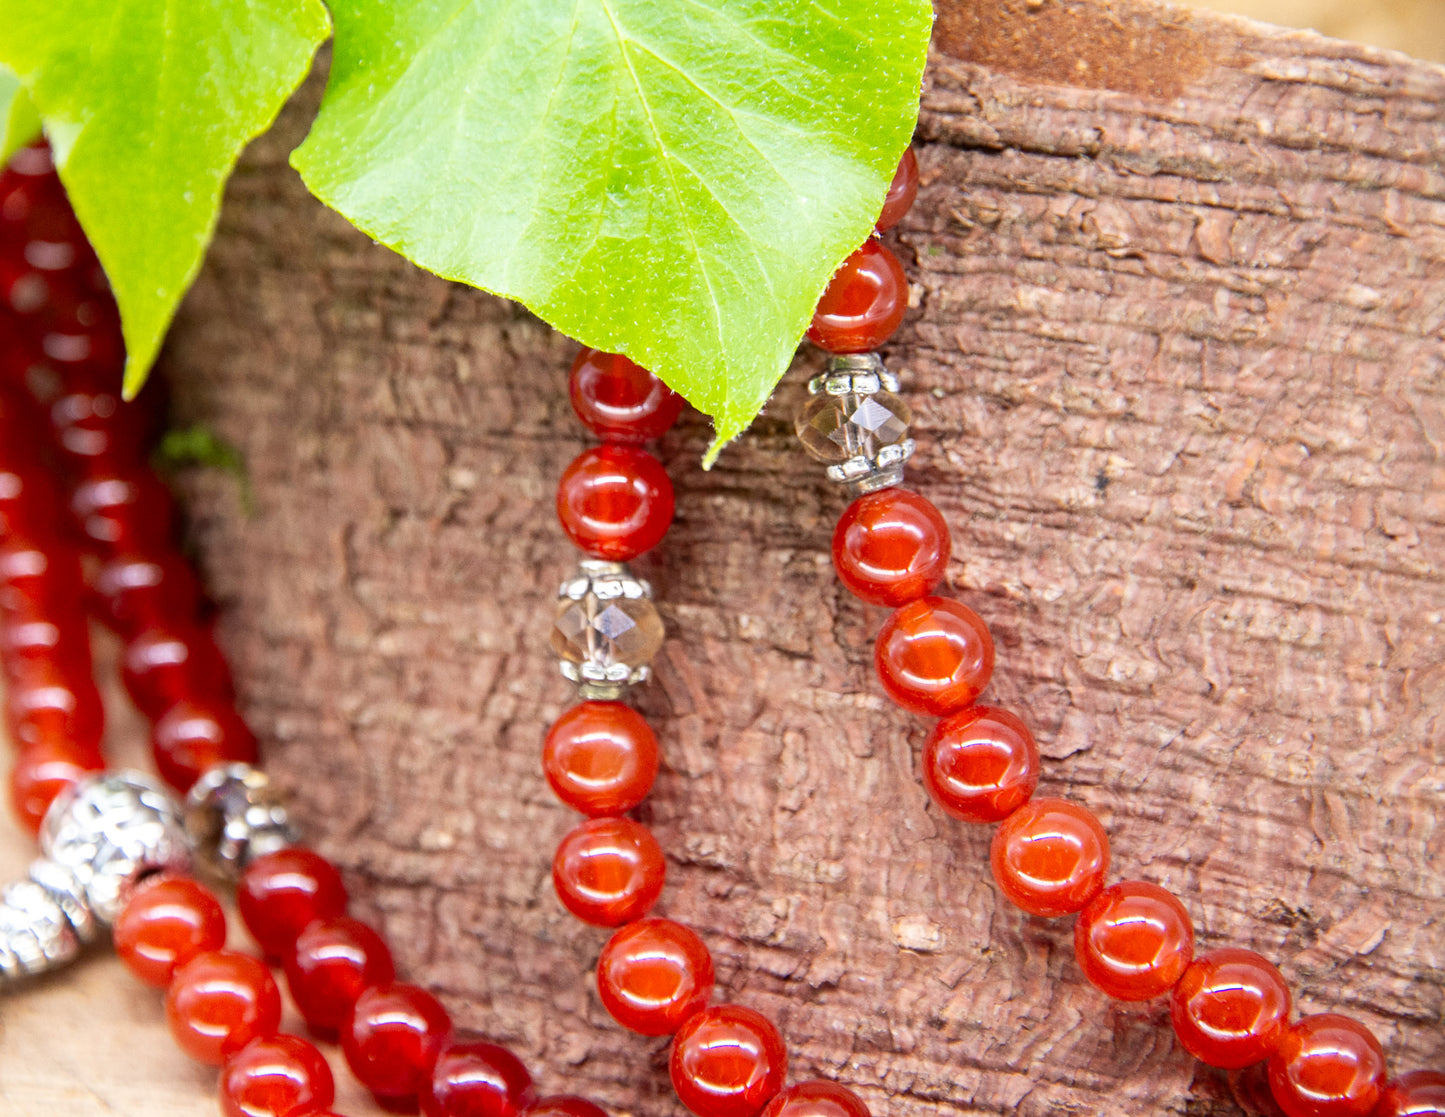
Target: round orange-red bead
(654,975)
(817,1098)
(1134,940)
(1327,1065)
(600,758)
(165,923)
(891,547)
(615,502)
(620,401)
(218,1002)
(1417,1093)
(1230,1008)
(901,192)
(863,304)
(1050,856)
(276,1076)
(609,871)
(934,656)
(980,764)
(728,1061)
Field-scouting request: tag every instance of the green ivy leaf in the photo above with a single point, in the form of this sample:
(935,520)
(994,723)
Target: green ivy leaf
(147,105)
(675,181)
(18,122)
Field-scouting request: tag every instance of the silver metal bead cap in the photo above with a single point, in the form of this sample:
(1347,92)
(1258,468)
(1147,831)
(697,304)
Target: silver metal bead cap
(112,830)
(234,814)
(35,934)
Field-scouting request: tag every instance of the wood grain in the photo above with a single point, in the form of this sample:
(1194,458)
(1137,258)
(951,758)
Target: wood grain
(1178,364)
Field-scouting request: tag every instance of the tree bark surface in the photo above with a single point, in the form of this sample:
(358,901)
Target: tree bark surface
(1177,362)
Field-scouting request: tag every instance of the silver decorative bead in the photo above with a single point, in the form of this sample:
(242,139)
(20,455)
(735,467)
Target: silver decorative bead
(606,629)
(67,891)
(855,424)
(112,830)
(235,814)
(35,935)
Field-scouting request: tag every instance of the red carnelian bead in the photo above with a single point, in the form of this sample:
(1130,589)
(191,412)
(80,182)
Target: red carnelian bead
(1134,940)
(564,1105)
(55,700)
(653,975)
(27,497)
(817,1098)
(901,192)
(980,764)
(728,1061)
(934,656)
(281,892)
(391,1040)
(615,502)
(62,635)
(39,575)
(124,510)
(609,871)
(1327,1065)
(477,1080)
(619,401)
(600,758)
(165,664)
(864,302)
(137,592)
(194,736)
(333,962)
(276,1076)
(166,923)
(42,771)
(1420,1093)
(220,1001)
(1230,1008)
(891,547)
(1049,857)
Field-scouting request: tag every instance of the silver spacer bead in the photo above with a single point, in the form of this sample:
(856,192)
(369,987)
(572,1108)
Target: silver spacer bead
(882,471)
(111,831)
(234,814)
(35,935)
(67,891)
(859,374)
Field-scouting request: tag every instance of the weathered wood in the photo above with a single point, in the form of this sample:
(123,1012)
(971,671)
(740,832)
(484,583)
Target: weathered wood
(1178,365)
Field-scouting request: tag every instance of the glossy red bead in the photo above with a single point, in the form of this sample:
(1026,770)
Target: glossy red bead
(196,735)
(901,192)
(1134,940)
(392,1039)
(653,975)
(620,401)
(333,962)
(615,502)
(1049,857)
(817,1098)
(39,575)
(276,1076)
(164,665)
(728,1061)
(934,656)
(1419,1093)
(122,510)
(281,892)
(891,547)
(1230,1008)
(41,772)
(980,764)
(609,871)
(218,1002)
(28,498)
(165,923)
(477,1079)
(138,592)
(55,702)
(564,1105)
(100,433)
(864,303)
(62,636)
(600,758)
(1327,1065)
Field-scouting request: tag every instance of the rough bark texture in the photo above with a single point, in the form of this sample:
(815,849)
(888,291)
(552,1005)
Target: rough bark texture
(1178,366)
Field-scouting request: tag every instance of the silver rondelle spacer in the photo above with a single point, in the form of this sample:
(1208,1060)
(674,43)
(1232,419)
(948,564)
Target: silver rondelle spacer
(234,814)
(882,471)
(111,831)
(66,890)
(35,935)
(859,374)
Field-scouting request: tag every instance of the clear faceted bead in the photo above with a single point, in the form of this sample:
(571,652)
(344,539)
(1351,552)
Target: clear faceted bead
(837,428)
(621,632)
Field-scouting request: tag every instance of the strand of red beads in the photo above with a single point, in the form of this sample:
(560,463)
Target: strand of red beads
(934,656)
(62,355)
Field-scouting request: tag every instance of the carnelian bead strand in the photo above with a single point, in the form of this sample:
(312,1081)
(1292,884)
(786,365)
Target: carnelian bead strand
(1327,1065)
(276,1076)
(609,871)
(654,975)
(172,662)
(1134,940)
(281,892)
(477,1079)
(901,192)
(864,302)
(392,1039)
(165,923)
(934,656)
(1418,1093)
(564,1105)
(980,764)
(727,1061)
(331,964)
(615,502)
(218,1002)
(1049,857)
(600,758)
(1230,1008)
(817,1098)
(891,547)
(620,401)
(195,735)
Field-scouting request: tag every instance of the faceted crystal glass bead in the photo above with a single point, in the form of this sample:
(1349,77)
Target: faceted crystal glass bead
(834,429)
(607,629)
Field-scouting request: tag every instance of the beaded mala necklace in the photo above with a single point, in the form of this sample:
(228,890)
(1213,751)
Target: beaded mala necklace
(934,656)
